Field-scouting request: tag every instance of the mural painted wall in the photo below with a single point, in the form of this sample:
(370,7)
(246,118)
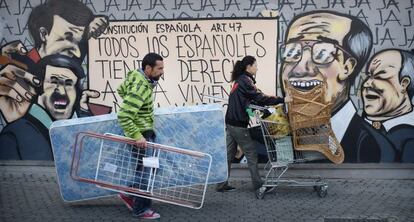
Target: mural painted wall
(362,48)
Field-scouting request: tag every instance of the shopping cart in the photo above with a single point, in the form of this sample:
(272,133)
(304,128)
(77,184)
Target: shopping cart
(280,152)
(159,172)
(281,155)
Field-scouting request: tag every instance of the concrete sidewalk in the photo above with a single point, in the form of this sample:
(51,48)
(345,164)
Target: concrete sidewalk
(31,193)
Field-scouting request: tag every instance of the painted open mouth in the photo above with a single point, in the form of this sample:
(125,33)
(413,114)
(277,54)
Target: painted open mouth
(371,97)
(305,85)
(60,104)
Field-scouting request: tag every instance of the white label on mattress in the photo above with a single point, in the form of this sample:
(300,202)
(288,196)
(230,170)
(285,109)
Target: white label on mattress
(151,162)
(110,167)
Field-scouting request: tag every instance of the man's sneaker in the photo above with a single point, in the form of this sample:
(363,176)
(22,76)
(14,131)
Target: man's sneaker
(148,214)
(129,202)
(226,188)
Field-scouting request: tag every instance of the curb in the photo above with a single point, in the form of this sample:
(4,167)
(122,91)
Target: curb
(385,171)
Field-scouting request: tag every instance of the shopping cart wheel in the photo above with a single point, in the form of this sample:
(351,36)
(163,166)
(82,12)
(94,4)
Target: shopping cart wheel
(260,193)
(322,191)
(316,187)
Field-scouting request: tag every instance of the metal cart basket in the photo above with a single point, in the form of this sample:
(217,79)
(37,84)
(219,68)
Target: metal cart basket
(281,155)
(159,172)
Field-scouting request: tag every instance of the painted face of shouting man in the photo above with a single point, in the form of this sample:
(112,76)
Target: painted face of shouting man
(61,88)
(385,91)
(322,46)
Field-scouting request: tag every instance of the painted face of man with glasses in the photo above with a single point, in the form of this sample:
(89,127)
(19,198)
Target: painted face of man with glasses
(314,50)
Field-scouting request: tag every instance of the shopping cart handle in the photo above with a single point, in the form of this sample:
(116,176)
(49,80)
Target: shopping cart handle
(116,136)
(111,136)
(119,137)
(280,123)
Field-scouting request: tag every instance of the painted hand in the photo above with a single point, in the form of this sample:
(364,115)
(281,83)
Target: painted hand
(97,26)
(17,91)
(13,47)
(86,94)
